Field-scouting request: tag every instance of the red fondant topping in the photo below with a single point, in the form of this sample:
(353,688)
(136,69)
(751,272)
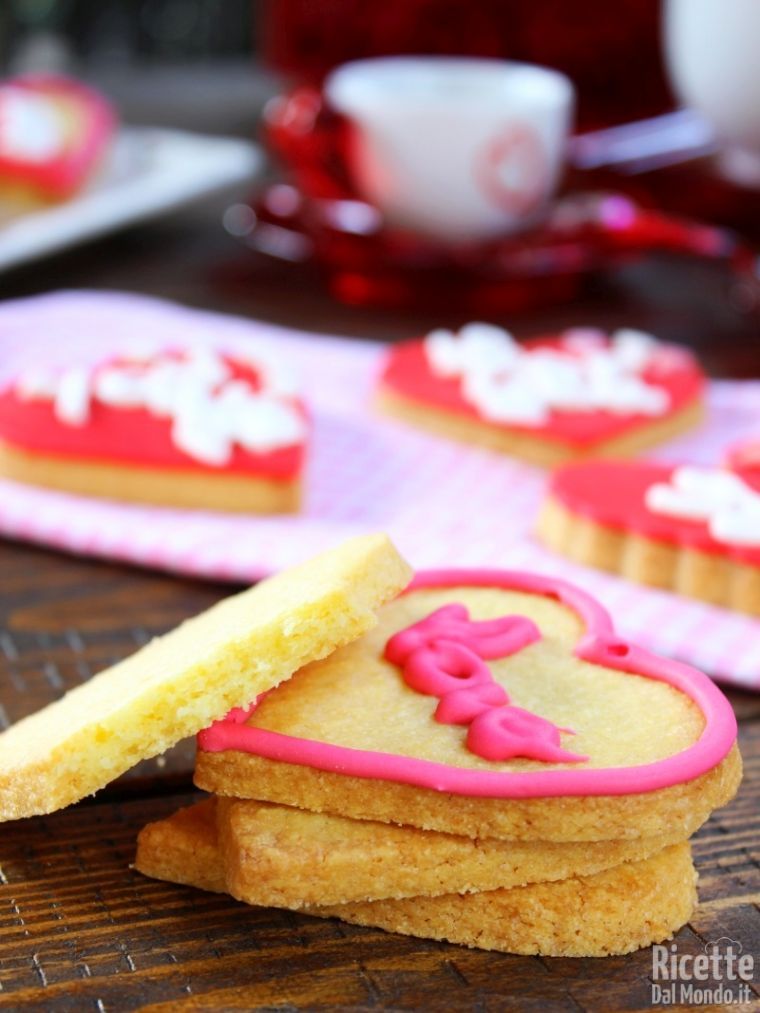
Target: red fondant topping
(744,459)
(408,374)
(132,436)
(612,493)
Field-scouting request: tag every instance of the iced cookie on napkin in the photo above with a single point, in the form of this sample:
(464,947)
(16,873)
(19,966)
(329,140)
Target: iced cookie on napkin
(183,426)
(576,394)
(692,530)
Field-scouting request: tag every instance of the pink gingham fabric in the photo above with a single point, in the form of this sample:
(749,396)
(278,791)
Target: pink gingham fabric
(442,503)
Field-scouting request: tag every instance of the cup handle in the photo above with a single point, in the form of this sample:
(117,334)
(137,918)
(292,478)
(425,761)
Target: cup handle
(312,140)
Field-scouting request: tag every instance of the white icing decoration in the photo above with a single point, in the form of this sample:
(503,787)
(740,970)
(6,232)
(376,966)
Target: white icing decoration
(161,388)
(30,128)
(199,429)
(583,338)
(210,410)
(206,367)
(477,347)
(633,349)
(277,378)
(508,383)
(721,499)
(119,387)
(502,400)
(72,397)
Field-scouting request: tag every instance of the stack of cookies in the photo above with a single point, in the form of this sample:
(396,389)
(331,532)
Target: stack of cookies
(473,756)
(489,765)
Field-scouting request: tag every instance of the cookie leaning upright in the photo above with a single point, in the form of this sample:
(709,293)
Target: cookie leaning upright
(181,682)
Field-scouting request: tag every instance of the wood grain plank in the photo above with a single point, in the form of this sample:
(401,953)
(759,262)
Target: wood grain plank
(78,926)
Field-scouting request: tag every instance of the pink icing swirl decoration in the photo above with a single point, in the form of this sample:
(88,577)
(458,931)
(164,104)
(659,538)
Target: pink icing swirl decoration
(599,645)
(444,655)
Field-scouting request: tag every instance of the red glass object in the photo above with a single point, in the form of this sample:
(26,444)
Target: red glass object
(319,214)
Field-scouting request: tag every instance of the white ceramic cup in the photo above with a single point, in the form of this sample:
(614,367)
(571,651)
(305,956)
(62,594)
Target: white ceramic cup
(455,148)
(712,49)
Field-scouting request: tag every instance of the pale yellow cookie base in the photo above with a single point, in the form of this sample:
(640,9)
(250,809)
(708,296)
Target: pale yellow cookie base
(539,450)
(277,856)
(703,575)
(183,849)
(186,489)
(181,682)
(677,811)
(615,911)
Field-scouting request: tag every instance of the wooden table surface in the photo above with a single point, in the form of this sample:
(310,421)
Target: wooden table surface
(78,929)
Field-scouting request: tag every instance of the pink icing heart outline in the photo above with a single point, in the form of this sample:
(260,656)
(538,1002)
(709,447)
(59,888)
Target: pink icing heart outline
(599,645)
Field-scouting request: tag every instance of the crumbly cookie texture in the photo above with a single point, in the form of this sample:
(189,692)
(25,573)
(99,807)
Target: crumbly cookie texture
(625,907)
(284,857)
(709,577)
(537,449)
(356,699)
(681,809)
(183,849)
(612,912)
(181,682)
(189,489)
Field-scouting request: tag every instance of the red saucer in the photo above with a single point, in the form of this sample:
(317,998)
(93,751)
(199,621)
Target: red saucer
(583,232)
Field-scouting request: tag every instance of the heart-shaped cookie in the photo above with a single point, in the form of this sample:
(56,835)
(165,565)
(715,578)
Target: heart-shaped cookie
(551,399)
(692,530)
(183,426)
(53,135)
(590,738)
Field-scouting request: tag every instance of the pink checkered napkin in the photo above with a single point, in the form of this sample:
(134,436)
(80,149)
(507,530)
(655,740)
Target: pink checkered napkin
(442,503)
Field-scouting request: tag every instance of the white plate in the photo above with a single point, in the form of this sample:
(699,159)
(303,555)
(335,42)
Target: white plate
(150,171)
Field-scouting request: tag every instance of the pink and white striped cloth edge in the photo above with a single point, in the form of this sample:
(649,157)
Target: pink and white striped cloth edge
(443,504)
